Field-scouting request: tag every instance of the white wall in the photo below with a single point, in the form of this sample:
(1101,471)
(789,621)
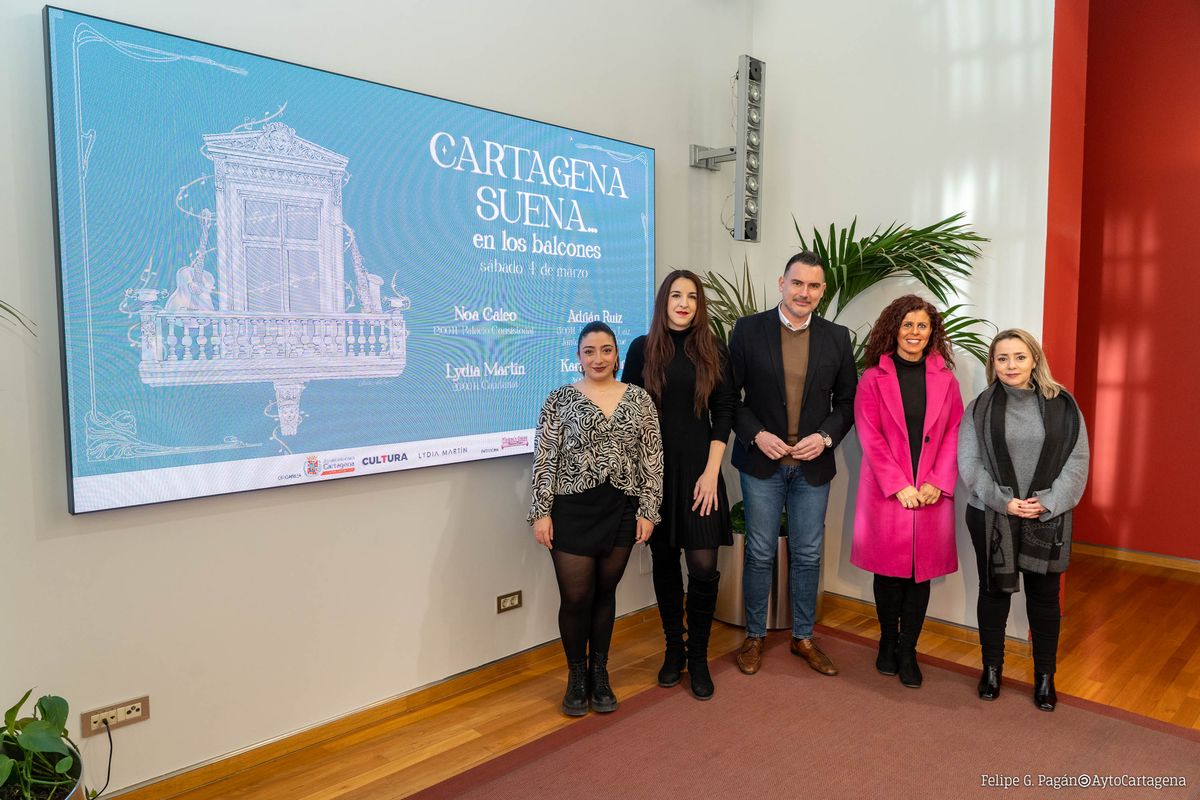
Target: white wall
(910,111)
(247,617)
(251,616)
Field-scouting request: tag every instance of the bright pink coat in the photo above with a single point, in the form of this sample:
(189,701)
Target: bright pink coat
(888,538)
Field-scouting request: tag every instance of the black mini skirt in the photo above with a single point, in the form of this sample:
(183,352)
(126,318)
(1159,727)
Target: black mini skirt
(594,521)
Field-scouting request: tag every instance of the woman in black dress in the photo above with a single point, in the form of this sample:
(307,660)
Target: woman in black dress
(597,486)
(685,369)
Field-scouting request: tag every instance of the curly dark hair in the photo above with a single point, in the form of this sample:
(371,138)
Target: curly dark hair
(882,339)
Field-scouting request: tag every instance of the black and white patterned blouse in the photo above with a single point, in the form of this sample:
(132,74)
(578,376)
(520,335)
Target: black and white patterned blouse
(577,448)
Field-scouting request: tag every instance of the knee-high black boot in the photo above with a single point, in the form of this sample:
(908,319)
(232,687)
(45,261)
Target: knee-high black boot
(912,619)
(889,597)
(668,589)
(701,601)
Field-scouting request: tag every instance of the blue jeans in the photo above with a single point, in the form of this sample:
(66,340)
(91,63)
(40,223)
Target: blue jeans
(764,501)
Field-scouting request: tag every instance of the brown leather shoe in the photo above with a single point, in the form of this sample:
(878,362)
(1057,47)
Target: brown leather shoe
(749,658)
(806,649)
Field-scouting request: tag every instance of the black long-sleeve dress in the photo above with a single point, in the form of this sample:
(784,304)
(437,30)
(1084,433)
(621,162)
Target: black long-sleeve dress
(686,438)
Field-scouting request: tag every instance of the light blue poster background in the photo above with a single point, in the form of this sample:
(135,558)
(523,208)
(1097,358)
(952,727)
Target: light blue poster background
(130,110)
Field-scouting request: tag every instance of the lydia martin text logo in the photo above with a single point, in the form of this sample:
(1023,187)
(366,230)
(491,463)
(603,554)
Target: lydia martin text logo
(449,451)
(386,458)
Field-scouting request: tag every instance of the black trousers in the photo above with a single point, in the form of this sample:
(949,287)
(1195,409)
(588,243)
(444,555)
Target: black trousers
(1041,604)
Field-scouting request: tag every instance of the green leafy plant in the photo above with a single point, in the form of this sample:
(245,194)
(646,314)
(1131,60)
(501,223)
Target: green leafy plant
(728,300)
(10,312)
(38,761)
(935,256)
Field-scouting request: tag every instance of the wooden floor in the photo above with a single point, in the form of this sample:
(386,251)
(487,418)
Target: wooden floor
(1131,639)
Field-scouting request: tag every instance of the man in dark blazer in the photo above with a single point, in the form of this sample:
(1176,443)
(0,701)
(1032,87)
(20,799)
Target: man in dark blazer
(797,374)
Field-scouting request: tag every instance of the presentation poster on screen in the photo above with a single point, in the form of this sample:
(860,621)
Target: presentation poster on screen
(275,275)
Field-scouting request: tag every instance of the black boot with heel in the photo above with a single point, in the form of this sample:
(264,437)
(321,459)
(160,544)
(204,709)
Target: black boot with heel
(668,590)
(701,602)
(989,683)
(888,598)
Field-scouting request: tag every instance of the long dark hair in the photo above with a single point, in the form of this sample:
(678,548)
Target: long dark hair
(887,328)
(700,345)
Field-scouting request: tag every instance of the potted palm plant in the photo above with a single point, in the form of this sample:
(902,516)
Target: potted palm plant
(38,760)
(935,256)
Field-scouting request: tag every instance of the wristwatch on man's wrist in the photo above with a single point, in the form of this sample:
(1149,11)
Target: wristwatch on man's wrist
(826,438)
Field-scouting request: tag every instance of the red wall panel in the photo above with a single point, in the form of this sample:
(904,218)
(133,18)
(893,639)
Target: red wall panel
(1136,368)
(1065,192)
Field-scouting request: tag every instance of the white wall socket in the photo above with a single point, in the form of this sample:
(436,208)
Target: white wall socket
(92,723)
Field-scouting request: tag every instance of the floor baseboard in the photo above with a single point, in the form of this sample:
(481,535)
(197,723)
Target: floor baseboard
(1137,557)
(225,766)
(951,630)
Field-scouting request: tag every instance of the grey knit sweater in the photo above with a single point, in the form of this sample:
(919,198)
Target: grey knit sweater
(1024,433)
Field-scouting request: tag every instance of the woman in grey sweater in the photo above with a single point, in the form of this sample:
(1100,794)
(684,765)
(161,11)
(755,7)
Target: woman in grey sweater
(1023,453)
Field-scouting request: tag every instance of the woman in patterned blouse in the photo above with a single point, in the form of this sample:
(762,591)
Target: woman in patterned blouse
(597,487)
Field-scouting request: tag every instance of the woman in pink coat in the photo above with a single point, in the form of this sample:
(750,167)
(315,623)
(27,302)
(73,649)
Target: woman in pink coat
(907,411)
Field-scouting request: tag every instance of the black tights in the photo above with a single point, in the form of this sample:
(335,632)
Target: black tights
(1041,605)
(701,564)
(901,604)
(587,589)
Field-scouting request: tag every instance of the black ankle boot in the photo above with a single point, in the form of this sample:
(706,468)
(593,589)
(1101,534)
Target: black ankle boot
(912,618)
(889,600)
(1044,696)
(906,665)
(989,683)
(886,661)
(575,701)
(701,601)
(602,698)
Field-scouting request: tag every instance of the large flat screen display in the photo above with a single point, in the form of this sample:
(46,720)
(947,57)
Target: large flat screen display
(272,274)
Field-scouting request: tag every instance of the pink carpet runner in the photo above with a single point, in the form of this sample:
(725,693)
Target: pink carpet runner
(789,732)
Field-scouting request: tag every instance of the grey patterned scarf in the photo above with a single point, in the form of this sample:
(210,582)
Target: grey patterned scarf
(1014,543)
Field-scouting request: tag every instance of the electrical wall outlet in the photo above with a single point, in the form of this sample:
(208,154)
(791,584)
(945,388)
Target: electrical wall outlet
(507,602)
(92,723)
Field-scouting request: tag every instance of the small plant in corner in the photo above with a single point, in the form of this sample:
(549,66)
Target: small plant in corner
(38,761)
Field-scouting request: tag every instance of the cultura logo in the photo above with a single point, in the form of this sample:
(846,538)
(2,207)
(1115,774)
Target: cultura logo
(386,458)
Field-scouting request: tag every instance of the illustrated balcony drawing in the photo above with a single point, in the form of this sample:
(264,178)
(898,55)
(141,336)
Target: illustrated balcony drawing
(188,348)
(277,309)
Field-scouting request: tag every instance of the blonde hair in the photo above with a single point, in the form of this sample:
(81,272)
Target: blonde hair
(1041,376)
